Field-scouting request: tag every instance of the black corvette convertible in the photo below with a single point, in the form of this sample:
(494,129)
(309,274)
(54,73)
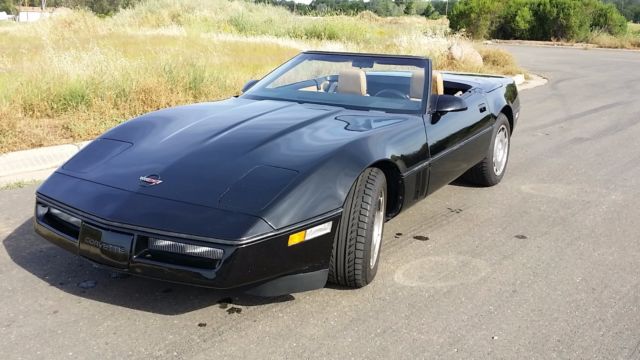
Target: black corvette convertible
(286,186)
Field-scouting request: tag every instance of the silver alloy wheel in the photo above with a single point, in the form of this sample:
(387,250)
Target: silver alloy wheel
(378,223)
(500,150)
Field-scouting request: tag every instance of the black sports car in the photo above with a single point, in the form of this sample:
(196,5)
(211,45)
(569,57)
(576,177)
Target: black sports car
(286,186)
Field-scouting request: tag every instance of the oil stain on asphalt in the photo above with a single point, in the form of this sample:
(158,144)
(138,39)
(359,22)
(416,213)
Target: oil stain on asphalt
(224,304)
(234,310)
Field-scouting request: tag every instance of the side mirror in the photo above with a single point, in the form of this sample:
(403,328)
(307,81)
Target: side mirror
(449,103)
(248,85)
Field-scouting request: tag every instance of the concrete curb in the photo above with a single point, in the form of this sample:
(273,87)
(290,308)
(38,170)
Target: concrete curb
(38,164)
(519,79)
(35,164)
(533,82)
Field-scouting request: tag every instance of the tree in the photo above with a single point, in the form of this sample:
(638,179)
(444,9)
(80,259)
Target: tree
(8,6)
(630,9)
(430,12)
(385,8)
(478,18)
(410,7)
(515,20)
(537,19)
(606,17)
(100,7)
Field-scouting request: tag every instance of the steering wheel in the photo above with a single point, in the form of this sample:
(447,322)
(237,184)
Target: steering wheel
(392,93)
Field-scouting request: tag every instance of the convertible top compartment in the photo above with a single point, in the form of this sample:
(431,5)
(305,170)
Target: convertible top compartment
(487,83)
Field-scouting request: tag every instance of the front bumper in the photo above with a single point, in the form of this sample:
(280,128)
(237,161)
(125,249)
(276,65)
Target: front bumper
(267,266)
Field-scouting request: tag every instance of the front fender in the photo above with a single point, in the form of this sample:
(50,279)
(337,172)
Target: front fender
(324,186)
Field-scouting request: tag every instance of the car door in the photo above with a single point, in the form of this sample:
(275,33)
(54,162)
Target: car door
(458,140)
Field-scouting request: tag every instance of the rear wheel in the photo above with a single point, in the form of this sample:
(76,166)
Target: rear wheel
(491,169)
(356,249)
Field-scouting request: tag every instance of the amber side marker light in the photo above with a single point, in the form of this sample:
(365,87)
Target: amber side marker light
(310,233)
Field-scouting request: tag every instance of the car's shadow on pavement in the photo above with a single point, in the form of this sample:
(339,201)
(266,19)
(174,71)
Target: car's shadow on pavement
(459,182)
(79,277)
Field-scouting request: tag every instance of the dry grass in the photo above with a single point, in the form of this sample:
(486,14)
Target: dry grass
(19,185)
(630,40)
(74,76)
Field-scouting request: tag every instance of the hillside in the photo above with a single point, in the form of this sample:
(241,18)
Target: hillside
(76,75)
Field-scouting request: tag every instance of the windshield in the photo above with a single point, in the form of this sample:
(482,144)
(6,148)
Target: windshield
(368,82)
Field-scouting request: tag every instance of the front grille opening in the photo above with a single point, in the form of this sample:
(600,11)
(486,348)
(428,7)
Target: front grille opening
(60,221)
(146,252)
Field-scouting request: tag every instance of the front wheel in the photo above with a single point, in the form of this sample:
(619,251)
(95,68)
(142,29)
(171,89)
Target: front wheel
(491,169)
(356,249)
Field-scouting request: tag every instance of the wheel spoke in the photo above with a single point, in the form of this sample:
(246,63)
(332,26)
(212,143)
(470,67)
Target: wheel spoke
(378,224)
(500,150)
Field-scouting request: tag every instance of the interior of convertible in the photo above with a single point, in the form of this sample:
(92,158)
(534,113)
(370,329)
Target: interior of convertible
(391,84)
(381,83)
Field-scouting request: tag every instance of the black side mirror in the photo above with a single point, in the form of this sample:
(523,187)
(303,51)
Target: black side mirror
(248,85)
(449,103)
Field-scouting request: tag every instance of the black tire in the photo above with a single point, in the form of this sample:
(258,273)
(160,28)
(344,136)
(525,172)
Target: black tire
(484,173)
(352,249)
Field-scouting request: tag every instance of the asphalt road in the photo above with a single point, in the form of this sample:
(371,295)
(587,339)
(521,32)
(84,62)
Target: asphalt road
(545,265)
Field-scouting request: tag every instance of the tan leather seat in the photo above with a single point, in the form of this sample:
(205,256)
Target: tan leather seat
(417,84)
(352,82)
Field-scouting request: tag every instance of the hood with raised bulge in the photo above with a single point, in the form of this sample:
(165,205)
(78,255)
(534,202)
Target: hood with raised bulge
(207,154)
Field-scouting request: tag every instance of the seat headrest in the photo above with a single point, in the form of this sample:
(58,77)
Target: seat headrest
(352,82)
(416,87)
(437,83)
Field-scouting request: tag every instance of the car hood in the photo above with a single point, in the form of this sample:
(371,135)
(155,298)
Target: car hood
(222,155)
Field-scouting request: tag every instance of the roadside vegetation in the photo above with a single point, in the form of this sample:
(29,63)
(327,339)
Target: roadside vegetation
(629,8)
(591,21)
(629,40)
(19,184)
(75,75)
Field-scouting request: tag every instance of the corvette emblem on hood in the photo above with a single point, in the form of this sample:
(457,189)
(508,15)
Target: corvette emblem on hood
(150,180)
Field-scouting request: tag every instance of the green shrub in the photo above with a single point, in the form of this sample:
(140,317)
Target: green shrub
(607,18)
(572,20)
(74,96)
(517,20)
(559,19)
(477,17)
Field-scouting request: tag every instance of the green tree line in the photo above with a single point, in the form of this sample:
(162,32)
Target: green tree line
(100,7)
(537,19)
(525,14)
(316,7)
(629,8)
(353,7)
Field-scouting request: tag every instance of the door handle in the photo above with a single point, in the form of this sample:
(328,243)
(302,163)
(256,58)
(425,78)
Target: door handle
(482,107)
